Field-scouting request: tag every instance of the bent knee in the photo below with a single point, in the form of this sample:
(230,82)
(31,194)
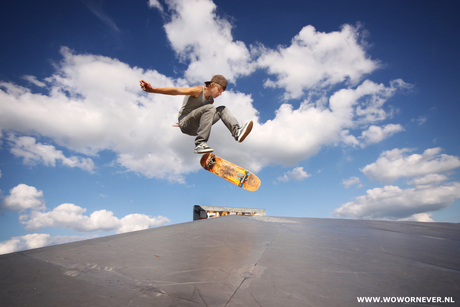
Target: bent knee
(209,107)
(221,109)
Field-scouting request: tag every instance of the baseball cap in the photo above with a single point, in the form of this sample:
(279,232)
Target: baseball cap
(218,79)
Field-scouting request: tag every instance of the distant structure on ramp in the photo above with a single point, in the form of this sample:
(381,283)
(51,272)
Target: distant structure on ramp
(244,261)
(204,212)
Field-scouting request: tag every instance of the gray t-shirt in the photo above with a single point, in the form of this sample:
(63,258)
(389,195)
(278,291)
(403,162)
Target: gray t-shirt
(191,103)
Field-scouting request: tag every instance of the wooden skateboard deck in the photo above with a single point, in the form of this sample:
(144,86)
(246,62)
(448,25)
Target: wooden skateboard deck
(231,172)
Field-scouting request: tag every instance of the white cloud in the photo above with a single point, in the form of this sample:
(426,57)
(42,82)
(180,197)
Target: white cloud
(352,181)
(136,221)
(373,135)
(32,152)
(203,39)
(33,80)
(155,4)
(23,197)
(431,191)
(71,216)
(421,120)
(317,60)
(420,217)
(36,240)
(29,201)
(296,134)
(395,163)
(95,102)
(395,203)
(348,139)
(431,179)
(297,174)
(376,134)
(364,105)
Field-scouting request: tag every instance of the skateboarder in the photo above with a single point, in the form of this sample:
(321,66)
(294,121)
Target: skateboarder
(198,114)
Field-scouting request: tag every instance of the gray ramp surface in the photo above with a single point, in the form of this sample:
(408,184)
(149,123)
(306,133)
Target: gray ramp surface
(242,261)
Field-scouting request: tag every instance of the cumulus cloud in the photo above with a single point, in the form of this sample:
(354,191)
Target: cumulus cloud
(204,40)
(352,181)
(420,217)
(431,179)
(296,134)
(36,240)
(316,60)
(431,191)
(395,163)
(94,103)
(29,201)
(376,134)
(71,216)
(364,105)
(34,215)
(33,153)
(24,197)
(297,174)
(136,221)
(395,203)
(87,112)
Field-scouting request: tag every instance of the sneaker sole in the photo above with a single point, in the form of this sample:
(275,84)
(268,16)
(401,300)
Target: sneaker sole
(245,134)
(203,151)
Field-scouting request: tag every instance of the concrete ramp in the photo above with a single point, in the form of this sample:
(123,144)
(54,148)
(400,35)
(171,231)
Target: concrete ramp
(244,261)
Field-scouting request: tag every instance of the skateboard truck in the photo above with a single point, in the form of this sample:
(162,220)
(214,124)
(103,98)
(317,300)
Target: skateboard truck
(211,162)
(243,179)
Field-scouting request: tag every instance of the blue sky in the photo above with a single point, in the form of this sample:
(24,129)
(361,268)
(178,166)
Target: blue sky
(355,106)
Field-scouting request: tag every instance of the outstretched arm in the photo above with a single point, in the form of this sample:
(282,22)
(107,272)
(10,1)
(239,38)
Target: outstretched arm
(194,91)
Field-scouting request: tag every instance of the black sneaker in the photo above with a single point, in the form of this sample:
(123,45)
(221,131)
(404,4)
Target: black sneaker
(203,148)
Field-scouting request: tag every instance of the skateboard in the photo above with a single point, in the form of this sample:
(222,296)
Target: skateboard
(231,172)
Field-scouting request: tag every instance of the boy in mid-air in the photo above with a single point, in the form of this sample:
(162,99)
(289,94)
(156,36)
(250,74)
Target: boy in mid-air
(198,114)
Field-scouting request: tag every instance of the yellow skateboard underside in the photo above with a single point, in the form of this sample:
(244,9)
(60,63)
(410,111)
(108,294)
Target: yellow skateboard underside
(231,172)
